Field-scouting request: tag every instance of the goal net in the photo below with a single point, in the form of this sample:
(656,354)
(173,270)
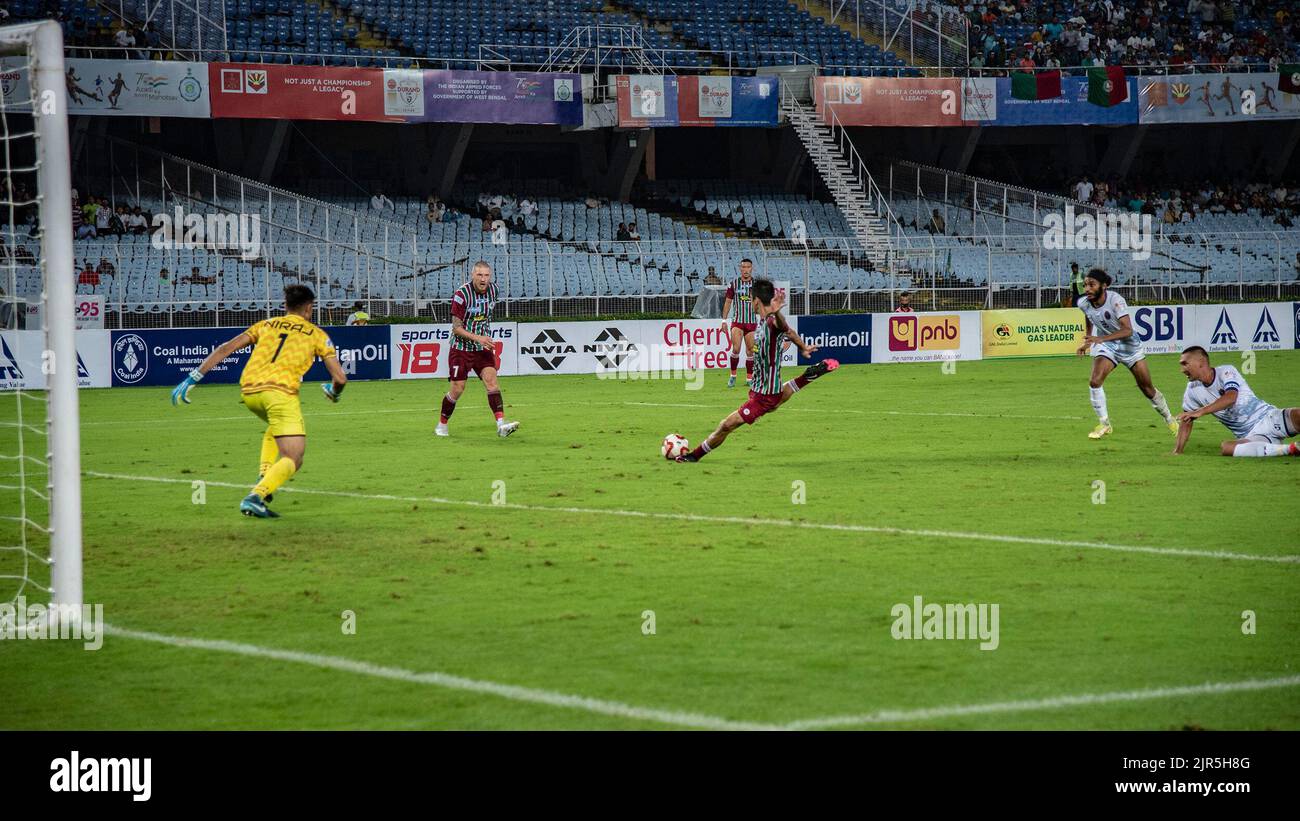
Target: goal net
(40,481)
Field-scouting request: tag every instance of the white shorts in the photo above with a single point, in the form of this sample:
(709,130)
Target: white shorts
(1273,428)
(1126,355)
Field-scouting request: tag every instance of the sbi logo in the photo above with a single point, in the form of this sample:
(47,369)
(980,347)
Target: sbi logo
(1159,324)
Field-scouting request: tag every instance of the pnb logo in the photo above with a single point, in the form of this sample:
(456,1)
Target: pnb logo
(929,333)
(1265,331)
(548,350)
(9,370)
(1224,333)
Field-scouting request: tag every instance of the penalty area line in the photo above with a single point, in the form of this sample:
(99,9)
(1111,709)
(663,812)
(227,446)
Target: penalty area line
(741,520)
(618,709)
(446,681)
(1052,703)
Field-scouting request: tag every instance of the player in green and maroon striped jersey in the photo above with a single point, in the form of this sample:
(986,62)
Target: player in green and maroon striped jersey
(472,348)
(766,392)
(739,320)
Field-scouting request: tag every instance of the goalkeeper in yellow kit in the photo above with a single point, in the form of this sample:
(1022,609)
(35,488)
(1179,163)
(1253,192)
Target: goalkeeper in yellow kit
(284,349)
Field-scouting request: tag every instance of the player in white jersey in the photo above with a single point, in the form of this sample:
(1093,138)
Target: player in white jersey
(1258,426)
(1110,334)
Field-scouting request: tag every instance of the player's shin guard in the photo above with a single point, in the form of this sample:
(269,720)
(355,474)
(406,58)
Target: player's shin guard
(1265,449)
(1098,396)
(270,453)
(279,473)
(496,404)
(448,408)
(1162,408)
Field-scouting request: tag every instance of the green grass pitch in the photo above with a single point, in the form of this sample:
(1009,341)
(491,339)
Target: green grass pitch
(529,614)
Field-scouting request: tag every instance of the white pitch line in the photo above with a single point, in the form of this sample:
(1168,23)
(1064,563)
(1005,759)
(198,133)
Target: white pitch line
(675,718)
(858,411)
(1053,703)
(741,520)
(430,410)
(450,682)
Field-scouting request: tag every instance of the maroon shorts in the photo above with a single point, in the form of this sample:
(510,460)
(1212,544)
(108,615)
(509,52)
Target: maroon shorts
(462,363)
(746,327)
(759,404)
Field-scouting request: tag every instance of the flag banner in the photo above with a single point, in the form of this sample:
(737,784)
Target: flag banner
(507,97)
(646,100)
(120,88)
(1107,86)
(252,90)
(1214,98)
(727,101)
(890,101)
(1070,108)
(1043,85)
(1288,78)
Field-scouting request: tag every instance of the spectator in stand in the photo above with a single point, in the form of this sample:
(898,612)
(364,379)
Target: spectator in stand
(1083,190)
(379,202)
(137,222)
(89,276)
(106,268)
(622,235)
(936,225)
(358,315)
(527,207)
(632,233)
(115,225)
(904,303)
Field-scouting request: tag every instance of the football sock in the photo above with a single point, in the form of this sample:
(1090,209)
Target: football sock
(281,472)
(735,360)
(1264,449)
(270,453)
(1158,402)
(701,450)
(749,367)
(1099,403)
(448,408)
(497,406)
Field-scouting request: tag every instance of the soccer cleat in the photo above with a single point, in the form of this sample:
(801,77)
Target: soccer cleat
(1173,427)
(687,457)
(731,381)
(820,368)
(506,428)
(1101,430)
(441,430)
(254,506)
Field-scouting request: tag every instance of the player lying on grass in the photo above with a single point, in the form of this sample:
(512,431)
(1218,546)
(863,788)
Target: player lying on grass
(766,393)
(1113,341)
(1258,426)
(283,350)
(472,348)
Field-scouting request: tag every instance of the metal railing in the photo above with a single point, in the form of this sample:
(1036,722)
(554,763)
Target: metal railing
(573,280)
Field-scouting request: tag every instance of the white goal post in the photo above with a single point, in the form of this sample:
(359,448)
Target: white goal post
(38,48)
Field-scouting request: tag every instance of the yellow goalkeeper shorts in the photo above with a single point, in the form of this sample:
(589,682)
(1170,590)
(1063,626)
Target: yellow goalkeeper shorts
(281,412)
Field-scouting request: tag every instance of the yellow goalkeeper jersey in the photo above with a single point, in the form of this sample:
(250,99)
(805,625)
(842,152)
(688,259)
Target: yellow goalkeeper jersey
(283,350)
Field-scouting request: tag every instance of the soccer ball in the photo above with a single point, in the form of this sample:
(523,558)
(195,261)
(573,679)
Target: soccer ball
(675,445)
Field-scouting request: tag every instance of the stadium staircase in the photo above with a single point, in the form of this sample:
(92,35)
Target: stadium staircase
(821,9)
(846,177)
